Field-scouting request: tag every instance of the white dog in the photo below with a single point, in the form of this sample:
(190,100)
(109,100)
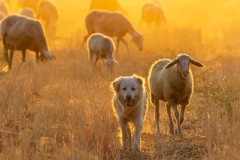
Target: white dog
(129,101)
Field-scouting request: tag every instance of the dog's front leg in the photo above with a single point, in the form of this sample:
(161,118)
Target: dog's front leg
(124,128)
(137,133)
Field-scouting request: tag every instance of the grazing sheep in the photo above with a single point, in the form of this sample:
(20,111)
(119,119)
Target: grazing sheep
(152,12)
(2,15)
(101,47)
(108,5)
(171,81)
(28,12)
(21,33)
(113,25)
(47,12)
(28,4)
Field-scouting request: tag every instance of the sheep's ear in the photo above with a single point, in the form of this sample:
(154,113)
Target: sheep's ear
(196,63)
(116,84)
(169,65)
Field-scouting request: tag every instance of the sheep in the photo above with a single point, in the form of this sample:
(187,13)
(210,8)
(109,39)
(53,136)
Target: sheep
(28,3)
(108,5)
(152,12)
(101,47)
(4,8)
(47,12)
(21,33)
(172,81)
(113,25)
(28,12)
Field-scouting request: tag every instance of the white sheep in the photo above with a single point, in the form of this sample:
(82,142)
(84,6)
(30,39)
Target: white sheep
(22,33)
(101,47)
(113,25)
(152,12)
(172,81)
(47,12)
(28,3)
(28,12)
(4,8)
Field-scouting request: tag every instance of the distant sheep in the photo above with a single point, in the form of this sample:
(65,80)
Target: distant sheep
(28,12)
(101,47)
(28,4)
(108,5)
(47,12)
(152,12)
(2,15)
(113,25)
(172,81)
(22,33)
(4,9)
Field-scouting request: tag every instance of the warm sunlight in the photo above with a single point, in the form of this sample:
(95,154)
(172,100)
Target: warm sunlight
(119,79)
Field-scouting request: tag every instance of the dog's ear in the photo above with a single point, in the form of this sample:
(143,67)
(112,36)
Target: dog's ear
(139,79)
(116,84)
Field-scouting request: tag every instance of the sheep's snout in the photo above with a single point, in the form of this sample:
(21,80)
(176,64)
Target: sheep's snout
(185,73)
(110,63)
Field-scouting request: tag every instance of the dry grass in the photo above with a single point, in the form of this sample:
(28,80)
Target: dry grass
(59,110)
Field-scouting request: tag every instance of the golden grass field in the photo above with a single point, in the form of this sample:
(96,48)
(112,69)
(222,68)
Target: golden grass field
(60,110)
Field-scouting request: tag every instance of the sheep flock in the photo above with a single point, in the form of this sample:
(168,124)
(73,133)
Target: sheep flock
(107,34)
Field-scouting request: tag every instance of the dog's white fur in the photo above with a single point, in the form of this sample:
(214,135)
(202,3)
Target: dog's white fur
(130,100)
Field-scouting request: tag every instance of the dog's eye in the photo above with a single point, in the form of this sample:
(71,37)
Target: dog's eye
(124,88)
(133,89)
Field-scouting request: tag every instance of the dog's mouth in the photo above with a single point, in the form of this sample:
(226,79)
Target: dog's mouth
(129,102)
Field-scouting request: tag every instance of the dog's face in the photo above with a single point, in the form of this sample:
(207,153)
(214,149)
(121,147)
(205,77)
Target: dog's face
(128,89)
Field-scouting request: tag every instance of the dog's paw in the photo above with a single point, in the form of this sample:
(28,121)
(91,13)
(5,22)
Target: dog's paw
(136,149)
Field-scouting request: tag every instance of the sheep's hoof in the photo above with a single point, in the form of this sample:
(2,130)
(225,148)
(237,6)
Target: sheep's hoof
(126,149)
(179,133)
(171,131)
(157,130)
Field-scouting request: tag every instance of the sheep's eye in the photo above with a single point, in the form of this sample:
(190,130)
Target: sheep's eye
(124,88)
(133,89)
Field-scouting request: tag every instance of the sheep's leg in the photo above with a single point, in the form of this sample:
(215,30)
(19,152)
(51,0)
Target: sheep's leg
(91,56)
(117,44)
(156,103)
(37,57)
(171,128)
(10,58)
(23,55)
(6,55)
(137,133)
(178,121)
(152,98)
(95,62)
(182,114)
(125,43)
(85,39)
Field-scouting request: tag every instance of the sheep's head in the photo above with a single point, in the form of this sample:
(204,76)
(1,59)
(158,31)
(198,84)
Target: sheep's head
(183,61)
(46,56)
(110,63)
(137,39)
